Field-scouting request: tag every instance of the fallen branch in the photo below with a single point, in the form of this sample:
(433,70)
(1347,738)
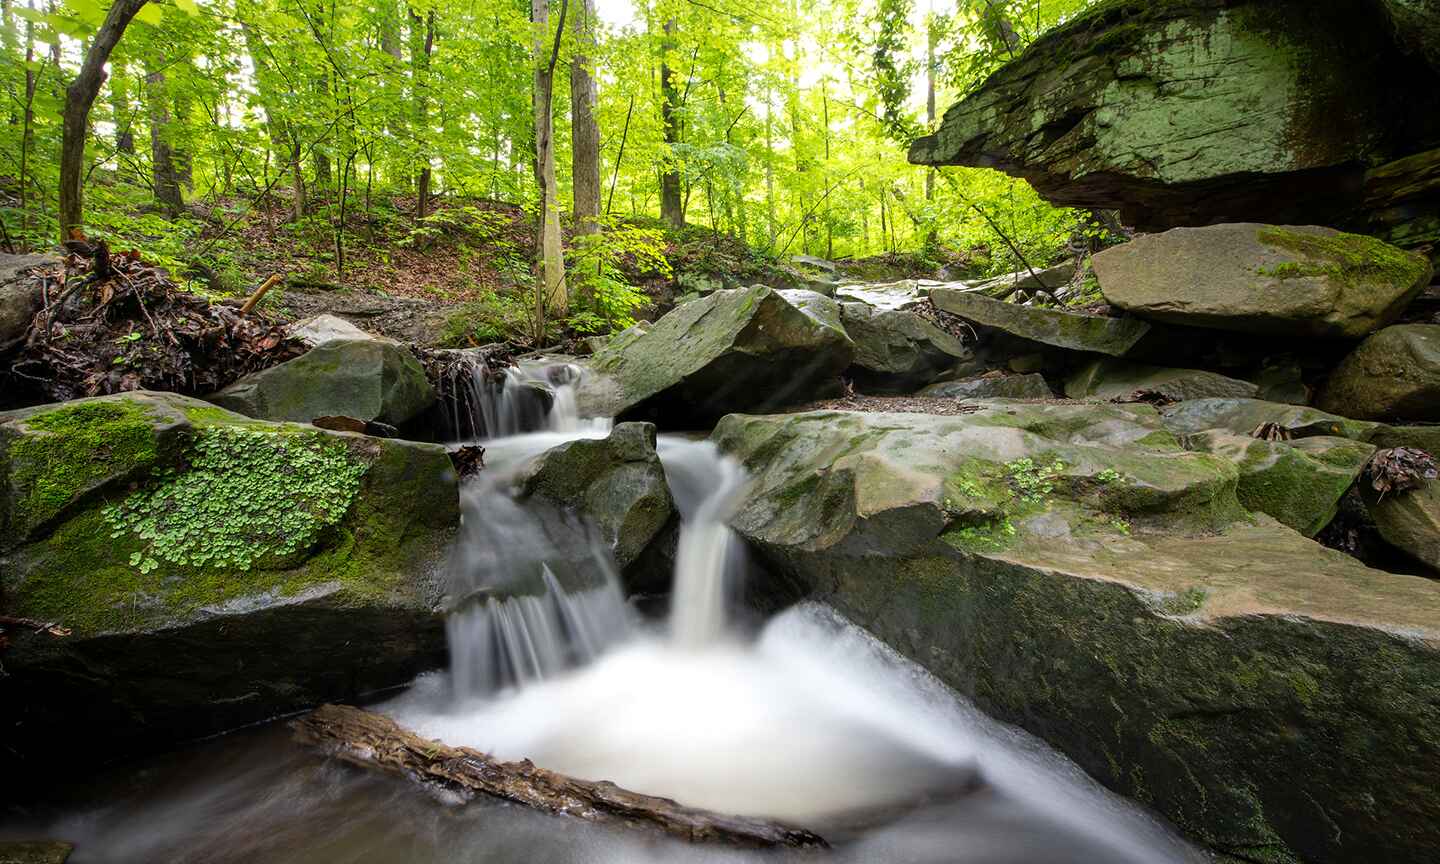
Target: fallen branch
(51,627)
(375,741)
(260,293)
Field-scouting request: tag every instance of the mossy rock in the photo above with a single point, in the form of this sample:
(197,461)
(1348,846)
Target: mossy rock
(896,349)
(1244,416)
(1300,483)
(1115,337)
(1274,699)
(368,379)
(617,482)
(1108,378)
(1027,386)
(1393,375)
(1410,522)
(731,350)
(240,569)
(1301,281)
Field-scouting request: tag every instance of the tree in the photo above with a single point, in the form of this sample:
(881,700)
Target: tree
(75,120)
(550,291)
(164,171)
(584,128)
(672,208)
(422,45)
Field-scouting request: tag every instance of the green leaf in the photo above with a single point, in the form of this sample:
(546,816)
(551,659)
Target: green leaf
(149,14)
(189,7)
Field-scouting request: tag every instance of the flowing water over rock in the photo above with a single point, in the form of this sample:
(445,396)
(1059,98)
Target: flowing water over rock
(809,720)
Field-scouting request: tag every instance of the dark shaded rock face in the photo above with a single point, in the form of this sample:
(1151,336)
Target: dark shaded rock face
(1192,112)
(212,571)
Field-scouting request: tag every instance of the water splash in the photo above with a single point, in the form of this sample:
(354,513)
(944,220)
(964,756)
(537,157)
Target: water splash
(483,402)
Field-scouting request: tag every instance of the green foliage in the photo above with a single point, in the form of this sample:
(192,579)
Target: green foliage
(598,269)
(493,318)
(247,498)
(1033,481)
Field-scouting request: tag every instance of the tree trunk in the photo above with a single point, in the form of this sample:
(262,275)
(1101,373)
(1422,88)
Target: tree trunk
(551,297)
(164,172)
(672,207)
(422,45)
(376,741)
(79,97)
(120,109)
(584,129)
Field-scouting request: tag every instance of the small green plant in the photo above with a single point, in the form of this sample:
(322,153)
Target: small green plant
(1108,476)
(1120,524)
(1033,481)
(248,497)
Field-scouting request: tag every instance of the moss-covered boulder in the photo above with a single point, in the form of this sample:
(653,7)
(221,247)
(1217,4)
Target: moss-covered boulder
(1393,375)
(996,386)
(1115,337)
(896,349)
(617,482)
(1425,438)
(1117,379)
(1276,700)
(1300,482)
(1246,416)
(1193,112)
(733,350)
(1290,280)
(368,379)
(1410,521)
(212,570)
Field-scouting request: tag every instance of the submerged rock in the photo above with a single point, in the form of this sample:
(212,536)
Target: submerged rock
(368,379)
(1287,280)
(212,571)
(1117,379)
(1027,386)
(1192,112)
(1300,482)
(730,351)
(897,349)
(1115,337)
(616,481)
(1079,574)
(1393,375)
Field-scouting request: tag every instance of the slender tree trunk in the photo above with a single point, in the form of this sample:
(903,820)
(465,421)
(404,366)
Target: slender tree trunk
(120,109)
(422,45)
(27,129)
(550,291)
(672,208)
(79,97)
(584,128)
(165,177)
(769,172)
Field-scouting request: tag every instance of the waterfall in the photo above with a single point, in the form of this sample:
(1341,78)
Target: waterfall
(481,402)
(706,486)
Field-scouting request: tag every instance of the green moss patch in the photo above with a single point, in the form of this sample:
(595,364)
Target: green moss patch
(1348,258)
(70,451)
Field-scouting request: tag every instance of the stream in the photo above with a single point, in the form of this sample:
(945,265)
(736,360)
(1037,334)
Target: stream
(808,719)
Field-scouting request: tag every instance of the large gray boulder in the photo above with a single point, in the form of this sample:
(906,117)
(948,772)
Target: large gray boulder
(20,296)
(1193,112)
(1393,375)
(1029,386)
(617,482)
(1247,416)
(1076,572)
(319,329)
(1299,281)
(368,379)
(1118,379)
(733,350)
(897,348)
(1115,337)
(212,571)
(1410,521)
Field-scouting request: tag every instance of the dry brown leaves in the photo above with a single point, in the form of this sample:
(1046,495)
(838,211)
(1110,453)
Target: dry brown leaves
(1400,469)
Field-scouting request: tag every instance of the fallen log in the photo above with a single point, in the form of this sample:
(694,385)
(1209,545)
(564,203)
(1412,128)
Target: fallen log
(375,741)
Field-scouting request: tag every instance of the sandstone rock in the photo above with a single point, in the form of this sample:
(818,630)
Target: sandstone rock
(730,351)
(897,348)
(1118,379)
(1296,281)
(1051,279)
(213,571)
(1112,336)
(319,329)
(1244,416)
(1300,482)
(1393,375)
(20,296)
(366,379)
(1237,677)
(617,482)
(1030,386)
(1192,112)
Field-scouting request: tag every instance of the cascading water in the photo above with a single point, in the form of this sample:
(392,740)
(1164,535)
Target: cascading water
(707,488)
